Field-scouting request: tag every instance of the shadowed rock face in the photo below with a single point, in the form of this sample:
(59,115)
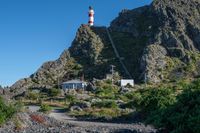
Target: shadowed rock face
(87,46)
(145,37)
(172,25)
(180,25)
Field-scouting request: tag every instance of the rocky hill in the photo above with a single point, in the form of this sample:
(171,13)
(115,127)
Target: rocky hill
(160,41)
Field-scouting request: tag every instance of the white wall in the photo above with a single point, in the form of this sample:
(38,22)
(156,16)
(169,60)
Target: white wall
(124,82)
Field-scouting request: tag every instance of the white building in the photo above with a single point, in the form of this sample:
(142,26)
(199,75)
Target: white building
(125,82)
(74,84)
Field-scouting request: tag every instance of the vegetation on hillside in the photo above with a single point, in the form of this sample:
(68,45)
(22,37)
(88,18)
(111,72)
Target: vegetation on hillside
(177,69)
(169,108)
(45,108)
(105,102)
(173,107)
(6,111)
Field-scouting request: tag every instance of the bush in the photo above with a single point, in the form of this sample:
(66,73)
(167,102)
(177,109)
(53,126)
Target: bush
(19,106)
(105,104)
(176,114)
(70,98)
(105,113)
(6,111)
(184,115)
(106,91)
(154,99)
(129,105)
(130,95)
(109,82)
(32,96)
(54,92)
(45,108)
(98,114)
(151,102)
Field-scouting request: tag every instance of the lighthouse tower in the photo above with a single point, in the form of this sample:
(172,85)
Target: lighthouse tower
(91,16)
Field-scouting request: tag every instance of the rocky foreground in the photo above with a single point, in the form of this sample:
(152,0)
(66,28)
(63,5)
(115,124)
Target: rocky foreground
(41,123)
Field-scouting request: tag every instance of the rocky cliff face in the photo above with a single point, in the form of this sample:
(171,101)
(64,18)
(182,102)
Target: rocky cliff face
(159,41)
(93,51)
(90,55)
(172,28)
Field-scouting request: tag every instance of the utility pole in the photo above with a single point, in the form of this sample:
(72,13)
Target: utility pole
(145,79)
(58,82)
(145,73)
(112,71)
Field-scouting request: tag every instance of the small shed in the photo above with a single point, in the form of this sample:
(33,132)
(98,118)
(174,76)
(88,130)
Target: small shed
(125,82)
(74,84)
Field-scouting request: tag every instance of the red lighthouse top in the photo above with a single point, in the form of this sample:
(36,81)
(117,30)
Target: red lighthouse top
(91,16)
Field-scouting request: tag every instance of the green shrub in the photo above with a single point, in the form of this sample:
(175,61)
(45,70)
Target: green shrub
(105,113)
(184,115)
(32,96)
(54,92)
(101,114)
(122,97)
(176,114)
(109,81)
(70,98)
(130,95)
(19,106)
(155,98)
(6,111)
(150,102)
(106,91)
(129,105)
(105,104)
(45,108)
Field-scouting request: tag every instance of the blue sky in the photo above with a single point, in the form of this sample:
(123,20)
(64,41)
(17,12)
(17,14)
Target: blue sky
(35,31)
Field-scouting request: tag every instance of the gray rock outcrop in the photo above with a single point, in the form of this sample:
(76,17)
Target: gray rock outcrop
(172,24)
(153,62)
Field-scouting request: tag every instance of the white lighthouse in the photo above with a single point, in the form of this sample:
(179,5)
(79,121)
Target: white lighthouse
(91,16)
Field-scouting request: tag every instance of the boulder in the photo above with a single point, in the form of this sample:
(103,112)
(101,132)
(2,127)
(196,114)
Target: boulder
(75,108)
(125,89)
(82,104)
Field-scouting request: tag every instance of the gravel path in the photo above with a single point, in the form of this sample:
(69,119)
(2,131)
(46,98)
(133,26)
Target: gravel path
(61,116)
(33,108)
(95,127)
